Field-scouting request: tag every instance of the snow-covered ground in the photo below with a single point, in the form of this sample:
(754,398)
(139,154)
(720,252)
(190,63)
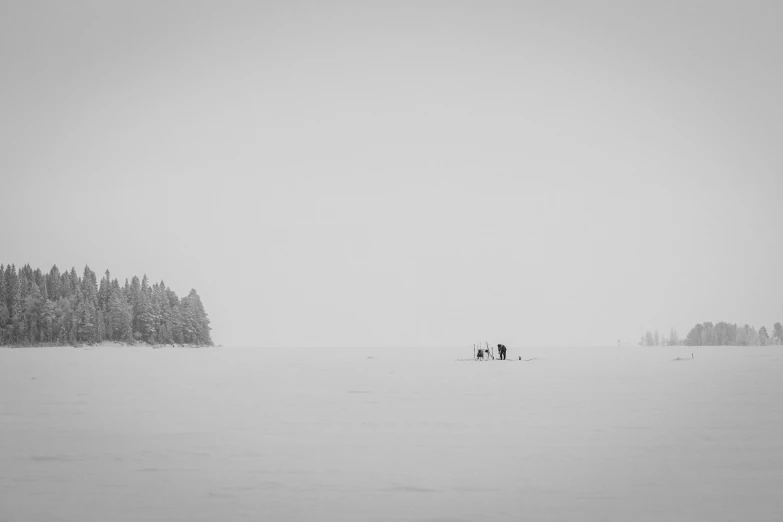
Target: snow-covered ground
(222,434)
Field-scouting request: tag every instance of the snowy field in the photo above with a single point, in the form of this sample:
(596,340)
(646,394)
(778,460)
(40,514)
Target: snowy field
(222,434)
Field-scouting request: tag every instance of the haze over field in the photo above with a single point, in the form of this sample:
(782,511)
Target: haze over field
(404,174)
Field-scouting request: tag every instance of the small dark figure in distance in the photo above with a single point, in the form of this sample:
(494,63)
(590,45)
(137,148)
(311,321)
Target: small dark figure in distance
(480,354)
(502,351)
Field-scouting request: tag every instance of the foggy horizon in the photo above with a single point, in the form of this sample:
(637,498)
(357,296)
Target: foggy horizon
(409,252)
(400,175)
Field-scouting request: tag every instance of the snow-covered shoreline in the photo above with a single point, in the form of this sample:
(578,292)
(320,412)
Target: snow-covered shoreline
(107,344)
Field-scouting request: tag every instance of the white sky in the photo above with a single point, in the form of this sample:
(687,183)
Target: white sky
(404,174)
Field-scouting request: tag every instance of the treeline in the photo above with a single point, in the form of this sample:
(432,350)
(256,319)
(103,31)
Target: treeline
(720,334)
(708,334)
(63,308)
(654,339)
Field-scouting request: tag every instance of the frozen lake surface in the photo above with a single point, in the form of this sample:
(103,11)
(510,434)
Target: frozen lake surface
(222,434)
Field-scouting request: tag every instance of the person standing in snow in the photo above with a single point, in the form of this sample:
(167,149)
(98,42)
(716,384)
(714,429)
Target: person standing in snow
(502,352)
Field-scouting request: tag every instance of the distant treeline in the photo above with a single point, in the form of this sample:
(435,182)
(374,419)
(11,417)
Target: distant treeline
(55,308)
(721,334)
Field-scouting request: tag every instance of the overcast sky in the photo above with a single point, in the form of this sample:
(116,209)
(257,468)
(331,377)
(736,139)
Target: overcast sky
(540,173)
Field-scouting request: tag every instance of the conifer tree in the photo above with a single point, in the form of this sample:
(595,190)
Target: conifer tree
(11,285)
(763,336)
(104,289)
(76,284)
(176,317)
(145,317)
(119,317)
(90,294)
(48,317)
(5,314)
(53,283)
(66,287)
(135,296)
(17,314)
(38,278)
(3,295)
(82,323)
(777,332)
(33,308)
